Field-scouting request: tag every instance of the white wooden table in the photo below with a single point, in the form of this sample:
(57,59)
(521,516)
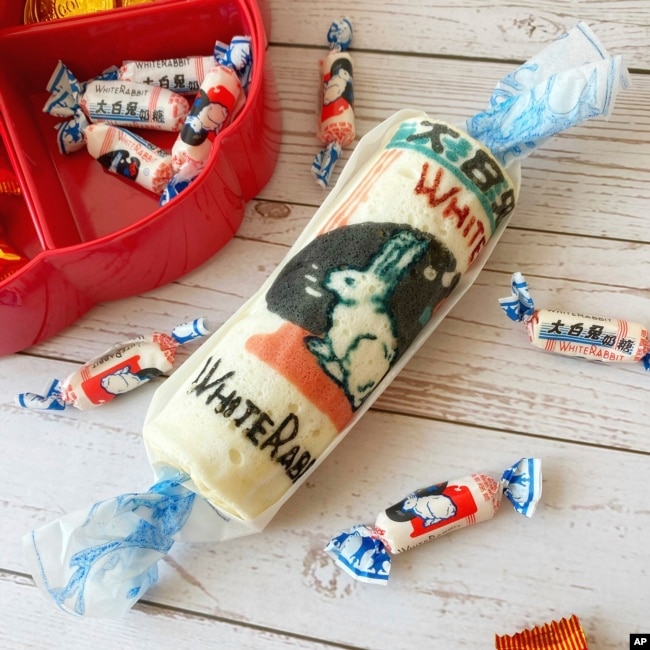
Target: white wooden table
(476,397)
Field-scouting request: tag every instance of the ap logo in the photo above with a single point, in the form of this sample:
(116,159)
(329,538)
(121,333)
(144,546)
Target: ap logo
(639,641)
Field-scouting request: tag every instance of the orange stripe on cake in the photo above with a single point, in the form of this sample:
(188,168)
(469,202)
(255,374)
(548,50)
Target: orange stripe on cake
(342,215)
(285,351)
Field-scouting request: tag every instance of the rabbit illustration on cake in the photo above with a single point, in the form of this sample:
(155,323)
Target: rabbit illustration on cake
(361,341)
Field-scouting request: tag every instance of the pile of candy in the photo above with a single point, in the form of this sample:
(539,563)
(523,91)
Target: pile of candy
(152,95)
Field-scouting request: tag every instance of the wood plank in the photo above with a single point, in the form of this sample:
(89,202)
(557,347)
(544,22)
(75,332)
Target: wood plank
(29,619)
(475,397)
(461,372)
(469,28)
(588,180)
(377,464)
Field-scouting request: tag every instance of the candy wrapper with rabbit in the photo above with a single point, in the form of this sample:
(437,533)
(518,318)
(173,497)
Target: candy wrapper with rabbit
(365,552)
(247,418)
(336,120)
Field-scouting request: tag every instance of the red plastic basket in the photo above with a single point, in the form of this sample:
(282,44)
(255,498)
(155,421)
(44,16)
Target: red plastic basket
(89,235)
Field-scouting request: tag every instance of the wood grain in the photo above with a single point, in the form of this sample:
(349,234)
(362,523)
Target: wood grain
(475,397)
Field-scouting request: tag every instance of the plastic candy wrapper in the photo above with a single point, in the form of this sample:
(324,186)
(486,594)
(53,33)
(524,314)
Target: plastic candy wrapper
(129,156)
(182,75)
(107,100)
(565,634)
(336,126)
(576,335)
(364,552)
(220,97)
(119,369)
(237,429)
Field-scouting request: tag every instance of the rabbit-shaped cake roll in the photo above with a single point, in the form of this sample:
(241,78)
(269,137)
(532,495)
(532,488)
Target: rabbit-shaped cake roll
(265,397)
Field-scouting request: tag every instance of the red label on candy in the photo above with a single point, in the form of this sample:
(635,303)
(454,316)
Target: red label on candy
(440,510)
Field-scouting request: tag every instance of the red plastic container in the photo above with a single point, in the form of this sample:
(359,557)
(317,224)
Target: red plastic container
(89,235)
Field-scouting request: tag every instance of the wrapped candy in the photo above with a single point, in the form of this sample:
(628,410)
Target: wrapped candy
(573,334)
(119,369)
(38,11)
(365,552)
(10,260)
(9,183)
(336,126)
(107,100)
(220,97)
(565,634)
(183,75)
(237,429)
(129,156)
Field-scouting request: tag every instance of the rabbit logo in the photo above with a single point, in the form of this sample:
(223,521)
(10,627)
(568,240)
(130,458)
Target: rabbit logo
(432,509)
(361,343)
(124,379)
(209,113)
(338,88)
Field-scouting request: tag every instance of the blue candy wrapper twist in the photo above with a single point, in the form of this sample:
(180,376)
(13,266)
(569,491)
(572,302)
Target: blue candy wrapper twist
(519,306)
(571,80)
(364,553)
(65,101)
(120,543)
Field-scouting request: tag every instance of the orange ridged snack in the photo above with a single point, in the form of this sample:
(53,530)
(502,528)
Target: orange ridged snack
(565,634)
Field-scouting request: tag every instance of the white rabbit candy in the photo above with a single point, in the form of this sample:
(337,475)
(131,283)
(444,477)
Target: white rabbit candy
(121,368)
(428,513)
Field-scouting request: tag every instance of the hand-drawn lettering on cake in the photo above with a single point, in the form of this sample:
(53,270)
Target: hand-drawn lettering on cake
(342,289)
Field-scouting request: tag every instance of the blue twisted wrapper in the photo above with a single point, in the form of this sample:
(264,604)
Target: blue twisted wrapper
(64,101)
(339,35)
(571,80)
(519,306)
(110,559)
(238,56)
(324,163)
(361,552)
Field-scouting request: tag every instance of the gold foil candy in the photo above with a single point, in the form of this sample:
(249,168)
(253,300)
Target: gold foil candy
(37,11)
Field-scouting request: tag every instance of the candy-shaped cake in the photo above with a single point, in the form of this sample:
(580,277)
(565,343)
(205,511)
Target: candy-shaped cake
(285,376)
(239,426)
